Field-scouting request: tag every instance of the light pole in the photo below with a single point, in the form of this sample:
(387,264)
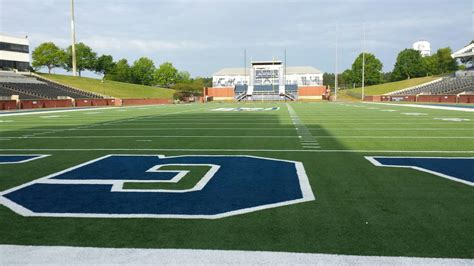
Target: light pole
(363,64)
(103,85)
(335,73)
(73,36)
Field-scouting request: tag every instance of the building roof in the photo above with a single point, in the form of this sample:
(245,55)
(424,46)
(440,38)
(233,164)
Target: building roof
(232,71)
(467,51)
(240,71)
(15,40)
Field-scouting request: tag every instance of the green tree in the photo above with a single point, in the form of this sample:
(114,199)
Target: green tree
(328,79)
(120,72)
(345,79)
(47,55)
(183,77)
(166,75)
(142,71)
(204,81)
(446,63)
(85,58)
(431,65)
(373,70)
(104,64)
(409,65)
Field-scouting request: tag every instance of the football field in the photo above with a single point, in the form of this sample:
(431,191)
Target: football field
(353,191)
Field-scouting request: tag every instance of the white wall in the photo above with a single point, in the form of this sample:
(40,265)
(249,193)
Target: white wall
(14,56)
(9,39)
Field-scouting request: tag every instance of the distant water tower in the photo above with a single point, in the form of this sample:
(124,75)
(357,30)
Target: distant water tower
(423,47)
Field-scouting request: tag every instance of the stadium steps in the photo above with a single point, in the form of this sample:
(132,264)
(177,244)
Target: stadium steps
(7,91)
(68,89)
(448,85)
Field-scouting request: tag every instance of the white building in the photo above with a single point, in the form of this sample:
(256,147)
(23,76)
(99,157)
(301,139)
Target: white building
(423,47)
(268,73)
(14,53)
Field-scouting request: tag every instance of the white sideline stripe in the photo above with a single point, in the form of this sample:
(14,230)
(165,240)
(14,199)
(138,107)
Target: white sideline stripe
(252,128)
(76,110)
(239,150)
(375,162)
(463,109)
(237,137)
(63,255)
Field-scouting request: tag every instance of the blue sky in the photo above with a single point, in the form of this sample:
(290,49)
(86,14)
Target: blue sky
(203,36)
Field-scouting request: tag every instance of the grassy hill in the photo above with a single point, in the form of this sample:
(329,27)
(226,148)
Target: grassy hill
(392,86)
(111,88)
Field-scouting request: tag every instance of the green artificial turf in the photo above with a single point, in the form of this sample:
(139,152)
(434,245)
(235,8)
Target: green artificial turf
(360,209)
(111,88)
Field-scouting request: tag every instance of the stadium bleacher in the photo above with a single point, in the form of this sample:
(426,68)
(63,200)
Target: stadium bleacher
(448,85)
(29,87)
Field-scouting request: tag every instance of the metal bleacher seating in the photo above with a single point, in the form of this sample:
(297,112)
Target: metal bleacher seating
(449,85)
(28,87)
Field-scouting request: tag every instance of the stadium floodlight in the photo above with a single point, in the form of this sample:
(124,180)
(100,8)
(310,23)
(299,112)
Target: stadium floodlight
(73,36)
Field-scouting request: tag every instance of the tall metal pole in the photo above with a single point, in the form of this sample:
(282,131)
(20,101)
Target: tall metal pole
(273,72)
(73,36)
(363,65)
(335,73)
(284,69)
(245,67)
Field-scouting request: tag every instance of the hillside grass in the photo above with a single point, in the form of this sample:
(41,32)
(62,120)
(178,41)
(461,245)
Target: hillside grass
(392,86)
(111,88)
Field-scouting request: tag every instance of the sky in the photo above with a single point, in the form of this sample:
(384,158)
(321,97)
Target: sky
(203,36)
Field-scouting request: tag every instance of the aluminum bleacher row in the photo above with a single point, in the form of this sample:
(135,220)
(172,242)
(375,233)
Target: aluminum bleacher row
(449,85)
(37,88)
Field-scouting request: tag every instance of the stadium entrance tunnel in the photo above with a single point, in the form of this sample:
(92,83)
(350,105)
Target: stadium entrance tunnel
(233,185)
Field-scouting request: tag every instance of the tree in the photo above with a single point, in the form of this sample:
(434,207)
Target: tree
(183,77)
(120,72)
(446,63)
(409,65)
(328,79)
(47,55)
(85,58)
(345,79)
(373,70)
(142,71)
(166,75)
(104,64)
(431,65)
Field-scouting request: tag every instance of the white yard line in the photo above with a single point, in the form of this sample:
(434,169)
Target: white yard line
(454,108)
(304,138)
(62,255)
(240,150)
(301,129)
(253,128)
